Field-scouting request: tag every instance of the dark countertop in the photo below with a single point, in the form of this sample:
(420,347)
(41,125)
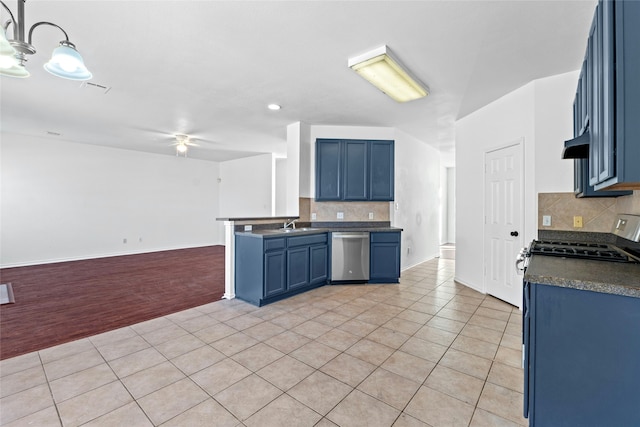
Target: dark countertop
(596,276)
(278,232)
(260,218)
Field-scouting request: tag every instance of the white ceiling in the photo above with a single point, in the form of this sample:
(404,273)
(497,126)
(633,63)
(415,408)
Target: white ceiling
(209,68)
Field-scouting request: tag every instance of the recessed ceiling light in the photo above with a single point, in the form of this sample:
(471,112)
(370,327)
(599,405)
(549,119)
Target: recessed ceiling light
(274,107)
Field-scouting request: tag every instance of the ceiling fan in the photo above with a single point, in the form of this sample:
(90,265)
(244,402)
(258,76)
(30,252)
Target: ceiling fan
(183,141)
(182,144)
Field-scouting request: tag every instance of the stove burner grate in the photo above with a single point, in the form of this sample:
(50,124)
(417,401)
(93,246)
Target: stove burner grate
(591,251)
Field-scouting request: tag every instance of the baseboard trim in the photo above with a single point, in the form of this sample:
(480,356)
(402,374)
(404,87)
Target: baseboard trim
(419,262)
(469,285)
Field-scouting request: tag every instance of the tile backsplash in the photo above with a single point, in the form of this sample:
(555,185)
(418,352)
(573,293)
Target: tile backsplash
(352,211)
(598,214)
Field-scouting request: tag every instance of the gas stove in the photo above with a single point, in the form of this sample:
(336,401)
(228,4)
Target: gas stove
(581,250)
(626,230)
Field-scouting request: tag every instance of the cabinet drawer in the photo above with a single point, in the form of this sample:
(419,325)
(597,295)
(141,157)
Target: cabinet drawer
(385,237)
(308,239)
(274,244)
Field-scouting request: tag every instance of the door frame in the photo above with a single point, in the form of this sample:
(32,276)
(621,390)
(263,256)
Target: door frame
(520,142)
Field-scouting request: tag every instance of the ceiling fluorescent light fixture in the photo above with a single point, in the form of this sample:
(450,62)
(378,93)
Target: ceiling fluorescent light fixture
(384,71)
(65,61)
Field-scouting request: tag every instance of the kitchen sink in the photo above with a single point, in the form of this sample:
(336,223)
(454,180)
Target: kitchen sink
(293,230)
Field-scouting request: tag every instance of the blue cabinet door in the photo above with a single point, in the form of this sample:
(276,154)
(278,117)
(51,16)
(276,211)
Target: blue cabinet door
(355,170)
(582,358)
(381,171)
(328,169)
(318,264)
(297,267)
(274,273)
(615,151)
(384,261)
(595,91)
(582,186)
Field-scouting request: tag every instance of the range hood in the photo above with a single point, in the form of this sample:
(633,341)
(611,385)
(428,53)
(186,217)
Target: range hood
(577,148)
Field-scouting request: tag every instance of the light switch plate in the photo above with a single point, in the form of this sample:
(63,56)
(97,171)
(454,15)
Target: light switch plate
(546,220)
(370,215)
(314,216)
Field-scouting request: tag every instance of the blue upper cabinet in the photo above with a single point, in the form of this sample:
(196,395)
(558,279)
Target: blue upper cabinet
(614,156)
(381,163)
(328,169)
(354,170)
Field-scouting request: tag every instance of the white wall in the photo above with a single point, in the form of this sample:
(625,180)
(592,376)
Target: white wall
(281,187)
(451,205)
(553,125)
(417,181)
(534,113)
(417,199)
(297,175)
(246,187)
(66,201)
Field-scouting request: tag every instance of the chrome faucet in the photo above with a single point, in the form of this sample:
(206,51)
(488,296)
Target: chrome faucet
(292,224)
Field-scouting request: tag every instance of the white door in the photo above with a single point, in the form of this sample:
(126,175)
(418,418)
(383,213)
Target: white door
(503,222)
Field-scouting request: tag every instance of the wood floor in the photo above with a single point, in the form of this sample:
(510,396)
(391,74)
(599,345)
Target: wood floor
(61,302)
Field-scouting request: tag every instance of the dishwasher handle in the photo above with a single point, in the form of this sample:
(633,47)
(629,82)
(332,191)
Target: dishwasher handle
(353,235)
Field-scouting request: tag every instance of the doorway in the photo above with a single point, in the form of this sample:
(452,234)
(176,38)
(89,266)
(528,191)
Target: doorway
(503,213)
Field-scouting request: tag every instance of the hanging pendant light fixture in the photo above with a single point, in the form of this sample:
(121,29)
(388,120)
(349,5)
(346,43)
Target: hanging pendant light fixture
(65,61)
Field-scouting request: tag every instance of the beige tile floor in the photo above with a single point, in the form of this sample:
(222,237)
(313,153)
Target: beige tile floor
(426,352)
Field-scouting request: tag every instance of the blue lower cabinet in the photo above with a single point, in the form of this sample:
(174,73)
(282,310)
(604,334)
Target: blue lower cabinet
(297,267)
(319,264)
(582,357)
(274,273)
(384,252)
(268,269)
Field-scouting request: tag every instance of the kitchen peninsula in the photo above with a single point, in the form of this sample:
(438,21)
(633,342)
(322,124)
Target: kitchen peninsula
(266,261)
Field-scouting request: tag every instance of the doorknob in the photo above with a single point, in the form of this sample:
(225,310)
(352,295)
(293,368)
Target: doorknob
(514,233)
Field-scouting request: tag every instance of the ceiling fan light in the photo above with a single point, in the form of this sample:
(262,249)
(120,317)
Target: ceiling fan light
(181,148)
(385,72)
(67,63)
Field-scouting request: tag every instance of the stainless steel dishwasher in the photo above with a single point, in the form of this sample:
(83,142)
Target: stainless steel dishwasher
(350,256)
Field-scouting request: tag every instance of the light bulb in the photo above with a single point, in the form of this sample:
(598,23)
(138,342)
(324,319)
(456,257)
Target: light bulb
(181,148)
(7,62)
(68,63)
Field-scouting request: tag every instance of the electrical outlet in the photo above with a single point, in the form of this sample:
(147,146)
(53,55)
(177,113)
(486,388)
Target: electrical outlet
(340,215)
(397,205)
(248,227)
(314,216)
(577,222)
(370,215)
(546,220)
